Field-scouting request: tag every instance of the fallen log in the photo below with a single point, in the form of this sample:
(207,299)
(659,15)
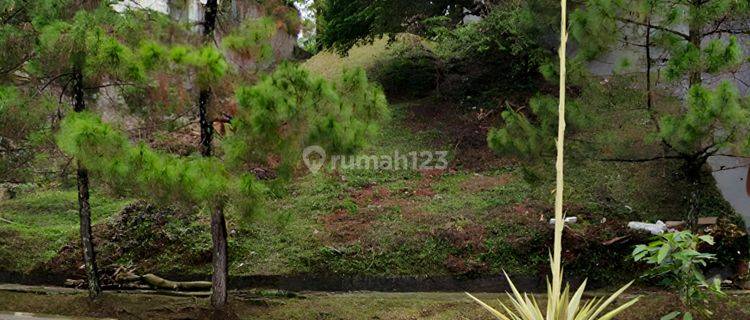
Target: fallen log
(159,282)
(168,292)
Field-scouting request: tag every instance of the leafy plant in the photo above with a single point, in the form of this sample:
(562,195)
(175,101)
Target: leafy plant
(677,263)
(560,304)
(507,41)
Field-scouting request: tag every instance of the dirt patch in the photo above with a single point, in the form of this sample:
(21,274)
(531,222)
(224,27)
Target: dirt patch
(345,227)
(527,212)
(370,195)
(463,131)
(468,242)
(468,237)
(432,174)
(479,182)
(140,233)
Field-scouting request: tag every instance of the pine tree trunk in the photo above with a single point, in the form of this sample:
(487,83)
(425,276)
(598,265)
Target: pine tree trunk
(694,204)
(220,262)
(209,18)
(695,166)
(206,129)
(204,98)
(84,214)
(220,276)
(693,172)
(649,98)
(84,209)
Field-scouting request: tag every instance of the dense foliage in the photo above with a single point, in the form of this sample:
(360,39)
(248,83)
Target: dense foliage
(20,144)
(279,116)
(137,169)
(709,120)
(504,49)
(475,63)
(342,24)
(291,109)
(536,142)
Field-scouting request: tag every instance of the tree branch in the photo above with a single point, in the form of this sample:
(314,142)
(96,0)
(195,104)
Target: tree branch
(50,81)
(665,29)
(729,31)
(657,158)
(112,84)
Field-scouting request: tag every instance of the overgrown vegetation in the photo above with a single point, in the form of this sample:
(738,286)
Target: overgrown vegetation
(467,78)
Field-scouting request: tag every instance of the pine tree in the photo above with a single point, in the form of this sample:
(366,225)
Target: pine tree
(696,38)
(276,117)
(208,67)
(710,120)
(93,55)
(77,50)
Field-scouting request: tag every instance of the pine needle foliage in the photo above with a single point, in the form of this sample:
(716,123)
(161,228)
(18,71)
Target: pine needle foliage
(25,131)
(707,110)
(291,109)
(528,134)
(47,45)
(279,116)
(87,42)
(206,62)
(138,170)
(697,38)
(250,39)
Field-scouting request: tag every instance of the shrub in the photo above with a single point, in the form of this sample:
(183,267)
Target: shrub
(501,53)
(410,69)
(677,262)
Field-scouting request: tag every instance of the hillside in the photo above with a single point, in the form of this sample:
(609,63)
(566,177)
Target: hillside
(481,215)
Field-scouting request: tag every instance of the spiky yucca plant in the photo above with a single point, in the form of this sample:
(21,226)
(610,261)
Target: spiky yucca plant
(560,304)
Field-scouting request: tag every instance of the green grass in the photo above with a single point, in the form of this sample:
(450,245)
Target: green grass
(42,222)
(393,222)
(330,65)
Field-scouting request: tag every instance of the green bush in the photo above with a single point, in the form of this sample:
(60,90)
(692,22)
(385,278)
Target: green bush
(410,69)
(677,263)
(501,53)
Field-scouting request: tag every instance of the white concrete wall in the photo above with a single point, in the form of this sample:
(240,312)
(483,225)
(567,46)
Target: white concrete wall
(192,11)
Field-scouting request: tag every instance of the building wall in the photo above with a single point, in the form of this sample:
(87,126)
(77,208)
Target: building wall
(191,11)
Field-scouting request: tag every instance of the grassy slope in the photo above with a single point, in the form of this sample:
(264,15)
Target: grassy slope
(460,221)
(330,65)
(41,223)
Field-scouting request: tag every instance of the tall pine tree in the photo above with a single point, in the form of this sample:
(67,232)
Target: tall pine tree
(78,48)
(693,39)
